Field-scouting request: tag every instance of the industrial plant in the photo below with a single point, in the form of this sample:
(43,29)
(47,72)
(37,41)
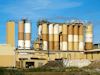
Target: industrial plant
(55,41)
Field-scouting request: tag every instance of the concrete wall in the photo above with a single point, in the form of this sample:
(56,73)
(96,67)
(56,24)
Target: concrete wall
(7,55)
(35,61)
(91,56)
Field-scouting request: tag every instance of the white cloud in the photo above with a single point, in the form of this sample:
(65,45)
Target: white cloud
(34,8)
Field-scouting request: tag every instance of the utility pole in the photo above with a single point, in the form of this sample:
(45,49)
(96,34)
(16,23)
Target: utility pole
(48,42)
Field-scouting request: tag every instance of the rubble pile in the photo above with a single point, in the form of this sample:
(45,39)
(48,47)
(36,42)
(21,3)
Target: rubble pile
(78,63)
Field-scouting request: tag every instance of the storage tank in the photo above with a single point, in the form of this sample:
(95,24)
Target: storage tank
(88,37)
(39,30)
(60,36)
(76,37)
(45,36)
(50,36)
(81,40)
(70,37)
(64,37)
(10,33)
(21,35)
(56,36)
(27,35)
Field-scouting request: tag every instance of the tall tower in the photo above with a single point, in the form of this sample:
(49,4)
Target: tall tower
(21,35)
(10,33)
(64,37)
(88,37)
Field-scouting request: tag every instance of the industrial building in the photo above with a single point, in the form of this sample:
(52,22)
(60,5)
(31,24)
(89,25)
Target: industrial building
(55,41)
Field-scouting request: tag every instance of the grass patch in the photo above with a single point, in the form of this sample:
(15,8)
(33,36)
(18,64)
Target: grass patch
(4,71)
(39,69)
(72,67)
(86,67)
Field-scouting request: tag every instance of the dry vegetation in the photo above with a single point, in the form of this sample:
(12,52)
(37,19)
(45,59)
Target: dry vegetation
(50,71)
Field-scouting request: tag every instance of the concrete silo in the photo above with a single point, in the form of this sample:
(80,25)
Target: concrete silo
(10,33)
(56,37)
(76,37)
(88,37)
(64,37)
(81,40)
(45,36)
(51,36)
(21,35)
(70,37)
(27,35)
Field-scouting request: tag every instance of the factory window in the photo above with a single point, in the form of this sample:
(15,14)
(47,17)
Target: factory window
(40,64)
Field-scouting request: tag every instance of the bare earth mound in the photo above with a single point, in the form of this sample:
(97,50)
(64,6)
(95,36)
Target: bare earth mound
(95,64)
(53,64)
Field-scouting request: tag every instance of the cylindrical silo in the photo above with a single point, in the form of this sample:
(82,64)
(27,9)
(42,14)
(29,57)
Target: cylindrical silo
(39,30)
(56,37)
(76,37)
(60,32)
(21,35)
(45,36)
(88,37)
(81,38)
(70,37)
(64,37)
(50,36)
(27,35)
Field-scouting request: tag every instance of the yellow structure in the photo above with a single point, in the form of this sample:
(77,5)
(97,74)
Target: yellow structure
(66,42)
(10,33)
(7,55)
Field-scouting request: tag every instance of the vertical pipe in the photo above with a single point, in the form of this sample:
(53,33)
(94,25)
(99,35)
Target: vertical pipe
(76,37)
(50,36)
(88,37)
(45,36)
(56,37)
(60,41)
(81,42)
(60,32)
(21,35)
(70,37)
(27,35)
(64,37)
(15,59)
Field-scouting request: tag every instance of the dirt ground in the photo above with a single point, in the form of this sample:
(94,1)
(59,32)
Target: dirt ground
(53,64)
(95,64)
(59,73)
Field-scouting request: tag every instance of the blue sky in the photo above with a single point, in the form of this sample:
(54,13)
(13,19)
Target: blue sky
(55,10)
